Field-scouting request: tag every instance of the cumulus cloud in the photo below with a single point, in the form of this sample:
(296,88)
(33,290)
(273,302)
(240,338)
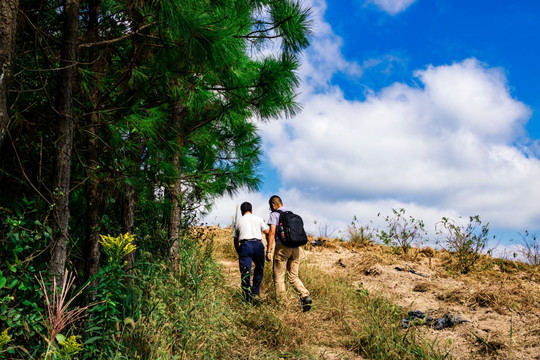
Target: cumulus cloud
(451,145)
(446,144)
(392,7)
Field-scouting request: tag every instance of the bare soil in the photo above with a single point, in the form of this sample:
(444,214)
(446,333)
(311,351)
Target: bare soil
(500,300)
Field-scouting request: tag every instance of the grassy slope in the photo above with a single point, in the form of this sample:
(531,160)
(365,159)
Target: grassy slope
(345,322)
(196,310)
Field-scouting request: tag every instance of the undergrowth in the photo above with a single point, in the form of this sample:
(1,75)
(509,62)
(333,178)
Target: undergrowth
(184,315)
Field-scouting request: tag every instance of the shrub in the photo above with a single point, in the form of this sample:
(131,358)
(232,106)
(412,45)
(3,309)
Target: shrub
(116,297)
(530,248)
(58,317)
(325,230)
(24,236)
(402,231)
(360,234)
(466,241)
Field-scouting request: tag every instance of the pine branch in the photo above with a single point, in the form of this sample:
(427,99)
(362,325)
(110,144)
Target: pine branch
(250,35)
(121,38)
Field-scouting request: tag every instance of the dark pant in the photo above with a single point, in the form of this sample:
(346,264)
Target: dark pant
(251,251)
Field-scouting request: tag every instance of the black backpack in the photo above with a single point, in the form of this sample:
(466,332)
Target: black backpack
(290,230)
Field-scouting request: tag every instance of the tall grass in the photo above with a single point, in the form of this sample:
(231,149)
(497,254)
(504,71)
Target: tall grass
(185,316)
(191,311)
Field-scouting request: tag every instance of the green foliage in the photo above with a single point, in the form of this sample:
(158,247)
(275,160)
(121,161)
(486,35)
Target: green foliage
(118,247)
(5,339)
(182,311)
(138,63)
(466,241)
(69,347)
(116,297)
(24,239)
(402,231)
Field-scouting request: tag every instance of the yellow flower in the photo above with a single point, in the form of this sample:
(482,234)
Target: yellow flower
(4,338)
(117,247)
(70,346)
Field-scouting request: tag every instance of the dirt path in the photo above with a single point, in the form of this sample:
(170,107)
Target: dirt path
(501,309)
(291,313)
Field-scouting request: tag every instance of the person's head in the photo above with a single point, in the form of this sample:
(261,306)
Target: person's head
(246,207)
(275,202)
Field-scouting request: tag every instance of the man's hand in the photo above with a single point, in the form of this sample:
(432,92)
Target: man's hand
(270,236)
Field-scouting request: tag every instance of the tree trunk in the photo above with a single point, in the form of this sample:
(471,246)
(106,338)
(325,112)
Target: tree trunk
(128,218)
(94,201)
(64,103)
(129,197)
(94,196)
(175,191)
(8,28)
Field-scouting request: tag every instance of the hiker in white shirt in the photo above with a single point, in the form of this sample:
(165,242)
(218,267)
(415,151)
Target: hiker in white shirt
(247,236)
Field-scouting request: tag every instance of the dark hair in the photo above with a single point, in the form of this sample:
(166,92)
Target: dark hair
(245,207)
(276,200)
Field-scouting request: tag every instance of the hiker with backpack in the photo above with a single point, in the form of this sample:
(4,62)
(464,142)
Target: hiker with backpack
(249,247)
(287,234)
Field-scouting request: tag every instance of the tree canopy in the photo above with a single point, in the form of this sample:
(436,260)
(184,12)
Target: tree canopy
(132,116)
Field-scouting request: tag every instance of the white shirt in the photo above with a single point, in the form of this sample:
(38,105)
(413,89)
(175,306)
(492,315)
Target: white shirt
(249,226)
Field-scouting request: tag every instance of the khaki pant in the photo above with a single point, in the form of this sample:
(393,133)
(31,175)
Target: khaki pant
(287,260)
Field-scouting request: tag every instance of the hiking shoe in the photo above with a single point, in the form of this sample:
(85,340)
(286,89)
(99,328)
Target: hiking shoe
(305,303)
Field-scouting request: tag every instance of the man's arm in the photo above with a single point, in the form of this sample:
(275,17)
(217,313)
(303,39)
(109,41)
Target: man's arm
(237,245)
(270,239)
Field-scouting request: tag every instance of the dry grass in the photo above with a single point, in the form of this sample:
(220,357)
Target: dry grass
(498,283)
(344,323)
(425,286)
(500,298)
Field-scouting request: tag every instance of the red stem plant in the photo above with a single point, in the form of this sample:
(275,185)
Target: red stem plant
(58,316)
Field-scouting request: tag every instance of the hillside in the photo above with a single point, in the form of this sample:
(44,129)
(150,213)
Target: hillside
(500,301)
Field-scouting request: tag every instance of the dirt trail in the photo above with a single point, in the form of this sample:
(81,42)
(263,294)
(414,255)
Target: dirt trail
(501,309)
(232,280)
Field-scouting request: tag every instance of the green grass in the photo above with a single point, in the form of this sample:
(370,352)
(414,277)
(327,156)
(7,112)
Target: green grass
(191,313)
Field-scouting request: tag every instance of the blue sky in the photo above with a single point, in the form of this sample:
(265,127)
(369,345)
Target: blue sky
(426,105)
(499,33)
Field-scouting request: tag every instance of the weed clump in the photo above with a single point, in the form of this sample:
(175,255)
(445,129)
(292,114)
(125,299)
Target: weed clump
(360,235)
(402,231)
(465,241)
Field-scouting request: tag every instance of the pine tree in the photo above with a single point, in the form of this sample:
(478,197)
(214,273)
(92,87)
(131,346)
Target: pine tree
(8,26)
(114,102)
(65,119)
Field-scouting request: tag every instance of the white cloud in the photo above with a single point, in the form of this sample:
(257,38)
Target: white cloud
(227,208)
(392,7)
(446,147)
(324,57)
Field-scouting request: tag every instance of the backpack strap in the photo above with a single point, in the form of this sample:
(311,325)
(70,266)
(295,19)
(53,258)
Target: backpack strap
(281,212)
